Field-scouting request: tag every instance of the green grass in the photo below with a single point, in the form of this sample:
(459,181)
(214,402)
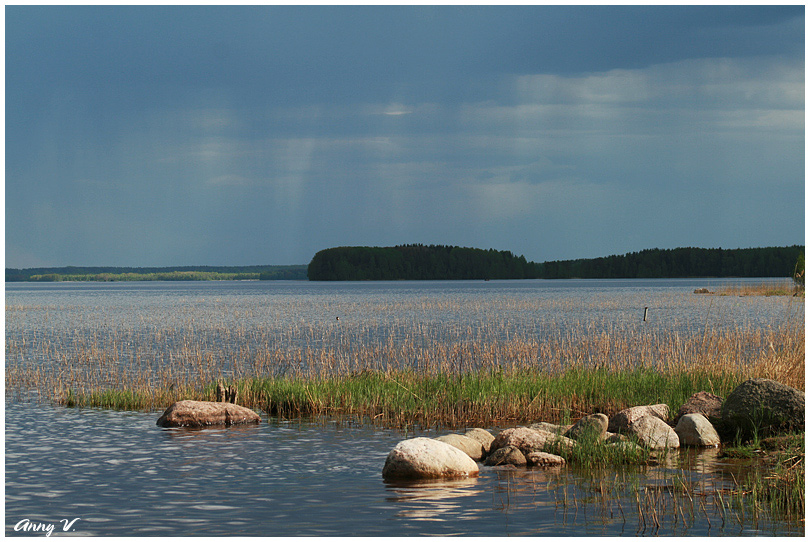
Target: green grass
(591,453)
(405,398)
(777,484)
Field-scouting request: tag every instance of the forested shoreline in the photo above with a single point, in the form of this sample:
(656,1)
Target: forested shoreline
(418,262)
(439,262)
(681,263)
(120,274)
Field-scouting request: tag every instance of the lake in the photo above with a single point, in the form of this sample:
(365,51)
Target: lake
(121,475)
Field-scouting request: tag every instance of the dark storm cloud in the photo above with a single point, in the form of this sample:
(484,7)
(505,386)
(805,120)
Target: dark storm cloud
(231,135)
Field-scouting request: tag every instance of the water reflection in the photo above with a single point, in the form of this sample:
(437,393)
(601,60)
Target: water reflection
(432,499)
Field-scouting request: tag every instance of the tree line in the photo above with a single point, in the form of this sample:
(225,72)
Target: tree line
(114,274)
(439,262)
(682,263)
(417,262)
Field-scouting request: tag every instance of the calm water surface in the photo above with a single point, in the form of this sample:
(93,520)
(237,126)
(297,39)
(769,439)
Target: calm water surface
(124,476)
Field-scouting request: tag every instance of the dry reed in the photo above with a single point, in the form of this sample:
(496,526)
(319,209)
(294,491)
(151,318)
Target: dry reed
(481,368)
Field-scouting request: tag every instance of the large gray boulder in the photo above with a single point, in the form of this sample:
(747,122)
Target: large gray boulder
(427,458)
(206,413)
(653,433)
(696,430)
(593,426)
(701,402)
(481,435)
(763,406)
(620,421)
(469,446)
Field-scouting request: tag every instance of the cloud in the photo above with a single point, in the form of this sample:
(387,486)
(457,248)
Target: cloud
(410,125)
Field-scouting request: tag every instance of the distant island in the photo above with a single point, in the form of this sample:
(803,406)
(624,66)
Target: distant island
(116,274)
(438,262)
(418,262)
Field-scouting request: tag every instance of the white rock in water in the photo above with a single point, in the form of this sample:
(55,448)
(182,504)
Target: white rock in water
(427,458)
(654,433)
(469,446)
(696,430)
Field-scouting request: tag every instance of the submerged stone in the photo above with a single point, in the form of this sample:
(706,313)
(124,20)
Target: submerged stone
(205,413)
(506,455)
(543,459)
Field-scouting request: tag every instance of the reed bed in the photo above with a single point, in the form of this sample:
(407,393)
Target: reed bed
(485,370)
(783,288)
(424,362)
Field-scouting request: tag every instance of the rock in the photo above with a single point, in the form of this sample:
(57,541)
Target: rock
(764,406)
(427,458)
(527,440)
(696,430)
(205,413)
(620,421)
(654,433)
(507,455)
(594,425)
(550,427)
(611,438)
(543,459)
(481,435)
(701,402)
(469,446)
(703,291)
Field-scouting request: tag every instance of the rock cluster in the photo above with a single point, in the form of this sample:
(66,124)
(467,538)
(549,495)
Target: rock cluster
(758,404)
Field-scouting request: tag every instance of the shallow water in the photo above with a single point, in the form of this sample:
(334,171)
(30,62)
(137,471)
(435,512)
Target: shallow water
(124,476)
(121,475)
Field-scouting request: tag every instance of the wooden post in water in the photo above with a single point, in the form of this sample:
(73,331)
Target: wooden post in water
(220,392)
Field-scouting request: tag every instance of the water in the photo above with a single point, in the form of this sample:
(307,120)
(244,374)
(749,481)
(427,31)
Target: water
(124,476)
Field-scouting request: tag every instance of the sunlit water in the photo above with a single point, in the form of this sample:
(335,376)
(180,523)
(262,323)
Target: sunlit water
(122,475)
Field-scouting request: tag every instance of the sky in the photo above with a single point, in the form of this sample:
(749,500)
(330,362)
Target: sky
(259,135)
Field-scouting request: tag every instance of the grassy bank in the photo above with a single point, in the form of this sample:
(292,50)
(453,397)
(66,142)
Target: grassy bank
(418,379)
(784,288)
(406,398)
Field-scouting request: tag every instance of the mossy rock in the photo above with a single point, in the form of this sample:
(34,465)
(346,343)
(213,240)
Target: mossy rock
(762,407)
